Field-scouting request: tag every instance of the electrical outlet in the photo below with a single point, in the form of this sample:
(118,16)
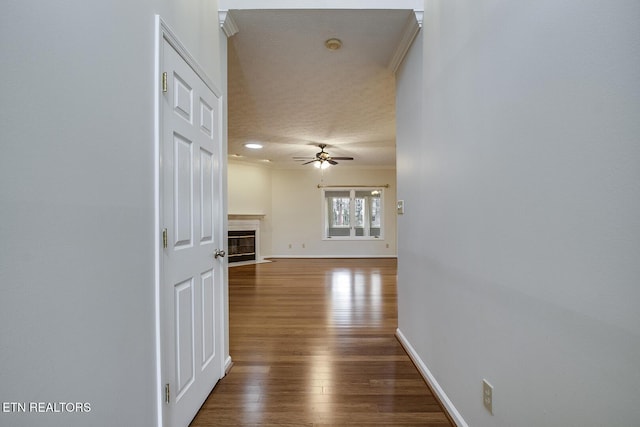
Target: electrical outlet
(289,245)
(303,246)
(387,246)
(487,396)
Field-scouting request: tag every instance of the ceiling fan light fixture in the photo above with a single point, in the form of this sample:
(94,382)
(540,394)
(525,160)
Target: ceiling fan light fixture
(321,164)
(333,44)
(253,145)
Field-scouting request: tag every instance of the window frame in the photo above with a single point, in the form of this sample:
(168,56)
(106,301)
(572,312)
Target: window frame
(326,219)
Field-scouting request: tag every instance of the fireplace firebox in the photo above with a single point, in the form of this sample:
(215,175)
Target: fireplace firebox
(242,245)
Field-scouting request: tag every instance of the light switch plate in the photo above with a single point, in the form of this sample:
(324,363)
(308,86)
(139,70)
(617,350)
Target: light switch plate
(400,207)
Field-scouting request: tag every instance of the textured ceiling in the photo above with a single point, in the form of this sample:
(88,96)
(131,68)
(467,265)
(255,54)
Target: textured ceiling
(290,93)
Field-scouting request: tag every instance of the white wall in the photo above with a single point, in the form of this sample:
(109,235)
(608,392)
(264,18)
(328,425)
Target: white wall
(249,190)
(526,182)
(291,202)
(77,203)
(297,213)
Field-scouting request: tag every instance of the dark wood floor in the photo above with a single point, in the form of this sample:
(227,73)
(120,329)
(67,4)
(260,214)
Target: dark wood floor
(313,344)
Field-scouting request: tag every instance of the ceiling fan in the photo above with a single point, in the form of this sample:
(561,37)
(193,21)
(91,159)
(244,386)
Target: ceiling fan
(322,159)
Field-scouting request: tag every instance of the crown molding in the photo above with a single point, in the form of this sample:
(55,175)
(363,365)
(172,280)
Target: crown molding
(419,16)
(411,29)
(227,23)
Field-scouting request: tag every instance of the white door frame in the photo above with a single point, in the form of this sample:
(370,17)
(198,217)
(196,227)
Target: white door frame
(164,33)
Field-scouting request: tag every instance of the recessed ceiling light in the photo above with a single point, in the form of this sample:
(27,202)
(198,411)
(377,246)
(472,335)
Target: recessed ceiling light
(333,44)
(253,146)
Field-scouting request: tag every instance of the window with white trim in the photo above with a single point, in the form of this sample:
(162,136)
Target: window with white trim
(354,213)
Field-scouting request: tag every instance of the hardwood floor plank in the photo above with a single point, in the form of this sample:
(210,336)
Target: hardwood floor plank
(313,344)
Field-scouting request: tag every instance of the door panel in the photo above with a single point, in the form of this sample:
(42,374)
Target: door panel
(208,321)
(206,196)
(185,343)
(183,187)
(183,98)
(207,118)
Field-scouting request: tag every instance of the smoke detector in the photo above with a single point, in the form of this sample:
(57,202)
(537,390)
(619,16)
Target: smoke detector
(333,44)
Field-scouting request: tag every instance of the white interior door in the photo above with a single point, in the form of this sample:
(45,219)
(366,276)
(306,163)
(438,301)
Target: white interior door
(191,284)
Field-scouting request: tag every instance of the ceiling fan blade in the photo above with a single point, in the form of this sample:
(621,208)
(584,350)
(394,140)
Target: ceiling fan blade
(331,161)
(310,161)
(342,158)
(303,158)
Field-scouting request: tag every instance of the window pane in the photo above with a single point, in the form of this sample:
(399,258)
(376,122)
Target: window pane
(339,213)
(360,208)
(375,213)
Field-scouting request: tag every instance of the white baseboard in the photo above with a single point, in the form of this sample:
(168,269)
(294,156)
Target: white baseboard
(228,363)
(430,379)
(332,256)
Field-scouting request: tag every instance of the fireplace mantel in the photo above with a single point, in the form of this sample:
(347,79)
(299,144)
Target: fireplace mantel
(246,216)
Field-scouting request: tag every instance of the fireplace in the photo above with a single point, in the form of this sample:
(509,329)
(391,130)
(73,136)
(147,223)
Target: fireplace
(242,245)
(243,239)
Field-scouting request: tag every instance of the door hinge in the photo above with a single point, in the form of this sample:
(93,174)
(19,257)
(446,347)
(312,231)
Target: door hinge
(167,394)
(164,81)
(165,238)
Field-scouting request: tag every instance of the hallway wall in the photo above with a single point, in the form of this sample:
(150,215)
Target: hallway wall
(77,314)
(519,248)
